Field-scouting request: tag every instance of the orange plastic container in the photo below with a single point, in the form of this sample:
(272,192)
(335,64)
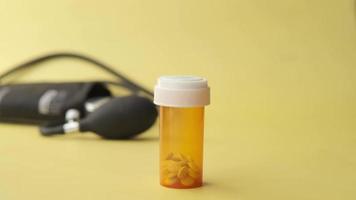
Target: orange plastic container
(181,130)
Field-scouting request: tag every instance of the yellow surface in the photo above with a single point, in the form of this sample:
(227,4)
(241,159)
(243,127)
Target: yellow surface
(283,76)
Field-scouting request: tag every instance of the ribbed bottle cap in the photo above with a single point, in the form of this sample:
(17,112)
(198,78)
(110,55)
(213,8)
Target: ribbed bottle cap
(182,91)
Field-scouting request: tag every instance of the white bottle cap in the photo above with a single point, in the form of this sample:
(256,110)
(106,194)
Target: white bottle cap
(182,91)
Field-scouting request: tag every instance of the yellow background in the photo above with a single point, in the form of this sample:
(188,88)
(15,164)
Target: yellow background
(283,76)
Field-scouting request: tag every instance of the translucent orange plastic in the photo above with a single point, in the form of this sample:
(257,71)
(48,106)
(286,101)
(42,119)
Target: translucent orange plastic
(181,147)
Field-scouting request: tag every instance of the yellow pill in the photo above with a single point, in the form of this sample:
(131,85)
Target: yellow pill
(176,157)
(187,181)
(169,174)
(182,173)
(193,166)
(173,168)
(193,174)
(182,164)
(182,157)
(169,181)
(169,156)
(170,165)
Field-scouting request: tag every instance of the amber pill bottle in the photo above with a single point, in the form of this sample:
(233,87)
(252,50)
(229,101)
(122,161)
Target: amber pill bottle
(181,100)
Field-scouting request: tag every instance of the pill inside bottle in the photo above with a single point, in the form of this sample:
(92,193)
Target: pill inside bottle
(181,100)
